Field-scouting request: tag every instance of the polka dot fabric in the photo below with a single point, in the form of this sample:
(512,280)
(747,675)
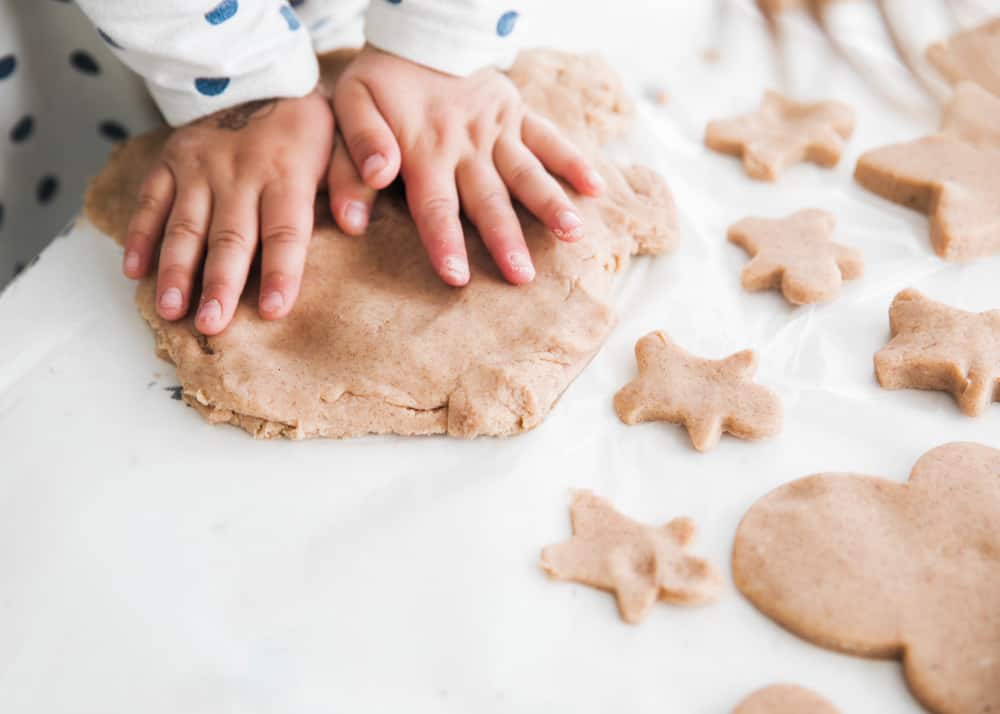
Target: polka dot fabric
(64,102)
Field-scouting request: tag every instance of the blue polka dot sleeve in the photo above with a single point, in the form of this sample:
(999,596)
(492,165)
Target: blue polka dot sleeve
(452,36)
(200,56)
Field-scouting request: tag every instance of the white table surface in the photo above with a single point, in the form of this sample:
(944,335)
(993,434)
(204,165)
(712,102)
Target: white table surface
(151,562)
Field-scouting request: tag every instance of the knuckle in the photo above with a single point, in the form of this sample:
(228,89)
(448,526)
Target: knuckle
(184,229)
(363,142)
(439,206)
(176,274)
(284,234)
(230,238)
(523,171)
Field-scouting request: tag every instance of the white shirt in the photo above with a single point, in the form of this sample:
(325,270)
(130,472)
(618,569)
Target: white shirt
(200,56)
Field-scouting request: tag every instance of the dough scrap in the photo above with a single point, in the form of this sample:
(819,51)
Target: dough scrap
(875,568)
(796,254)
(707,396)
(970,55)
(640,564)
(783,132)
(935,346)
(785,699)
(955,182)
(377,343)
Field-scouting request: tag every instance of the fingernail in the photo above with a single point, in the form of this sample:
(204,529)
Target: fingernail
(521,264)
(568,225)
(171,299)
(373,164)
(356,215)
(595,180)
(131,261)
(210,312)
(272,302)
(455,268)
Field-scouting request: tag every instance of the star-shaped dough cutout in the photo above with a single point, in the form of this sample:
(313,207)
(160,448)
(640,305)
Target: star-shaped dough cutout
(796,254)
(706,396)
(953,181)
(783,132)
(785,699)
(935,346)
(640,564)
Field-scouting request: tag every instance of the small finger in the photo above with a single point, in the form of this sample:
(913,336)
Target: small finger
(232,241)
(433,201)
(487,204)
(560,156)
(286,223)
(368,137)
(535,188)
(350,199)
(182,248)
(145,227)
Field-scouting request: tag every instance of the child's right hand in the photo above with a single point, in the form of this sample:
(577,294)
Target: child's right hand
(220,185)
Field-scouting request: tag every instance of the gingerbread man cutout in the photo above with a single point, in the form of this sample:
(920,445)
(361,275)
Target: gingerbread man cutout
(640,564)
(796,254)
(785,699)
(875,568)
(706,396)
(935,346)
(783,132)
(953,181)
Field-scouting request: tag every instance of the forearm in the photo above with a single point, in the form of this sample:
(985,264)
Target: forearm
(453,36)
(196,62)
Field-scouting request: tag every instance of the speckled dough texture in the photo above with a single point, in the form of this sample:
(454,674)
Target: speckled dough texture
(935,346)
(796,254)
(640,564)
(785,699)
(952,180)
(707,396)
(973,115)
(783,132)
(377,343)
(877,568)
(970,55)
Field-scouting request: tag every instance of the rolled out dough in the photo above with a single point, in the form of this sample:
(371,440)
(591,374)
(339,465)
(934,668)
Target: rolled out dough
(377,343)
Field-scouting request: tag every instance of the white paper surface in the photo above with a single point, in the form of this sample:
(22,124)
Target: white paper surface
(149,561)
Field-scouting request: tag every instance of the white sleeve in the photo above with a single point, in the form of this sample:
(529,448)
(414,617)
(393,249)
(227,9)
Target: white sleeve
(452,36)
(197,60)
(333,24)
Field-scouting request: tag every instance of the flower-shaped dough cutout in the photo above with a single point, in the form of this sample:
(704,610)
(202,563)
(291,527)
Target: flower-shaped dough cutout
(783,132)
(640,564)
(876,568)
(707,396)
(972,54)
(953,181)
(939,347)
(796,254)
(785,699)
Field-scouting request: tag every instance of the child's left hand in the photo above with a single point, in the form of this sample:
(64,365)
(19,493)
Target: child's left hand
(457,141)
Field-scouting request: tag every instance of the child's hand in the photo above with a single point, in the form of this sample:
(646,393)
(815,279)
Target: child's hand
(467,139)
(220,184)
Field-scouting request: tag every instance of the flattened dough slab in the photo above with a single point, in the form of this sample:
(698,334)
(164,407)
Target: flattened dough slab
(377,343)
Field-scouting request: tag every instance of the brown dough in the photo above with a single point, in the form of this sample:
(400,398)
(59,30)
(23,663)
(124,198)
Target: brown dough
(956,183)
(706,396)
(973,115)
(785,699)
(796,254)
(972,54)
(377,343)
(783,132)
(875,568)
(639,563)
(935,346)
